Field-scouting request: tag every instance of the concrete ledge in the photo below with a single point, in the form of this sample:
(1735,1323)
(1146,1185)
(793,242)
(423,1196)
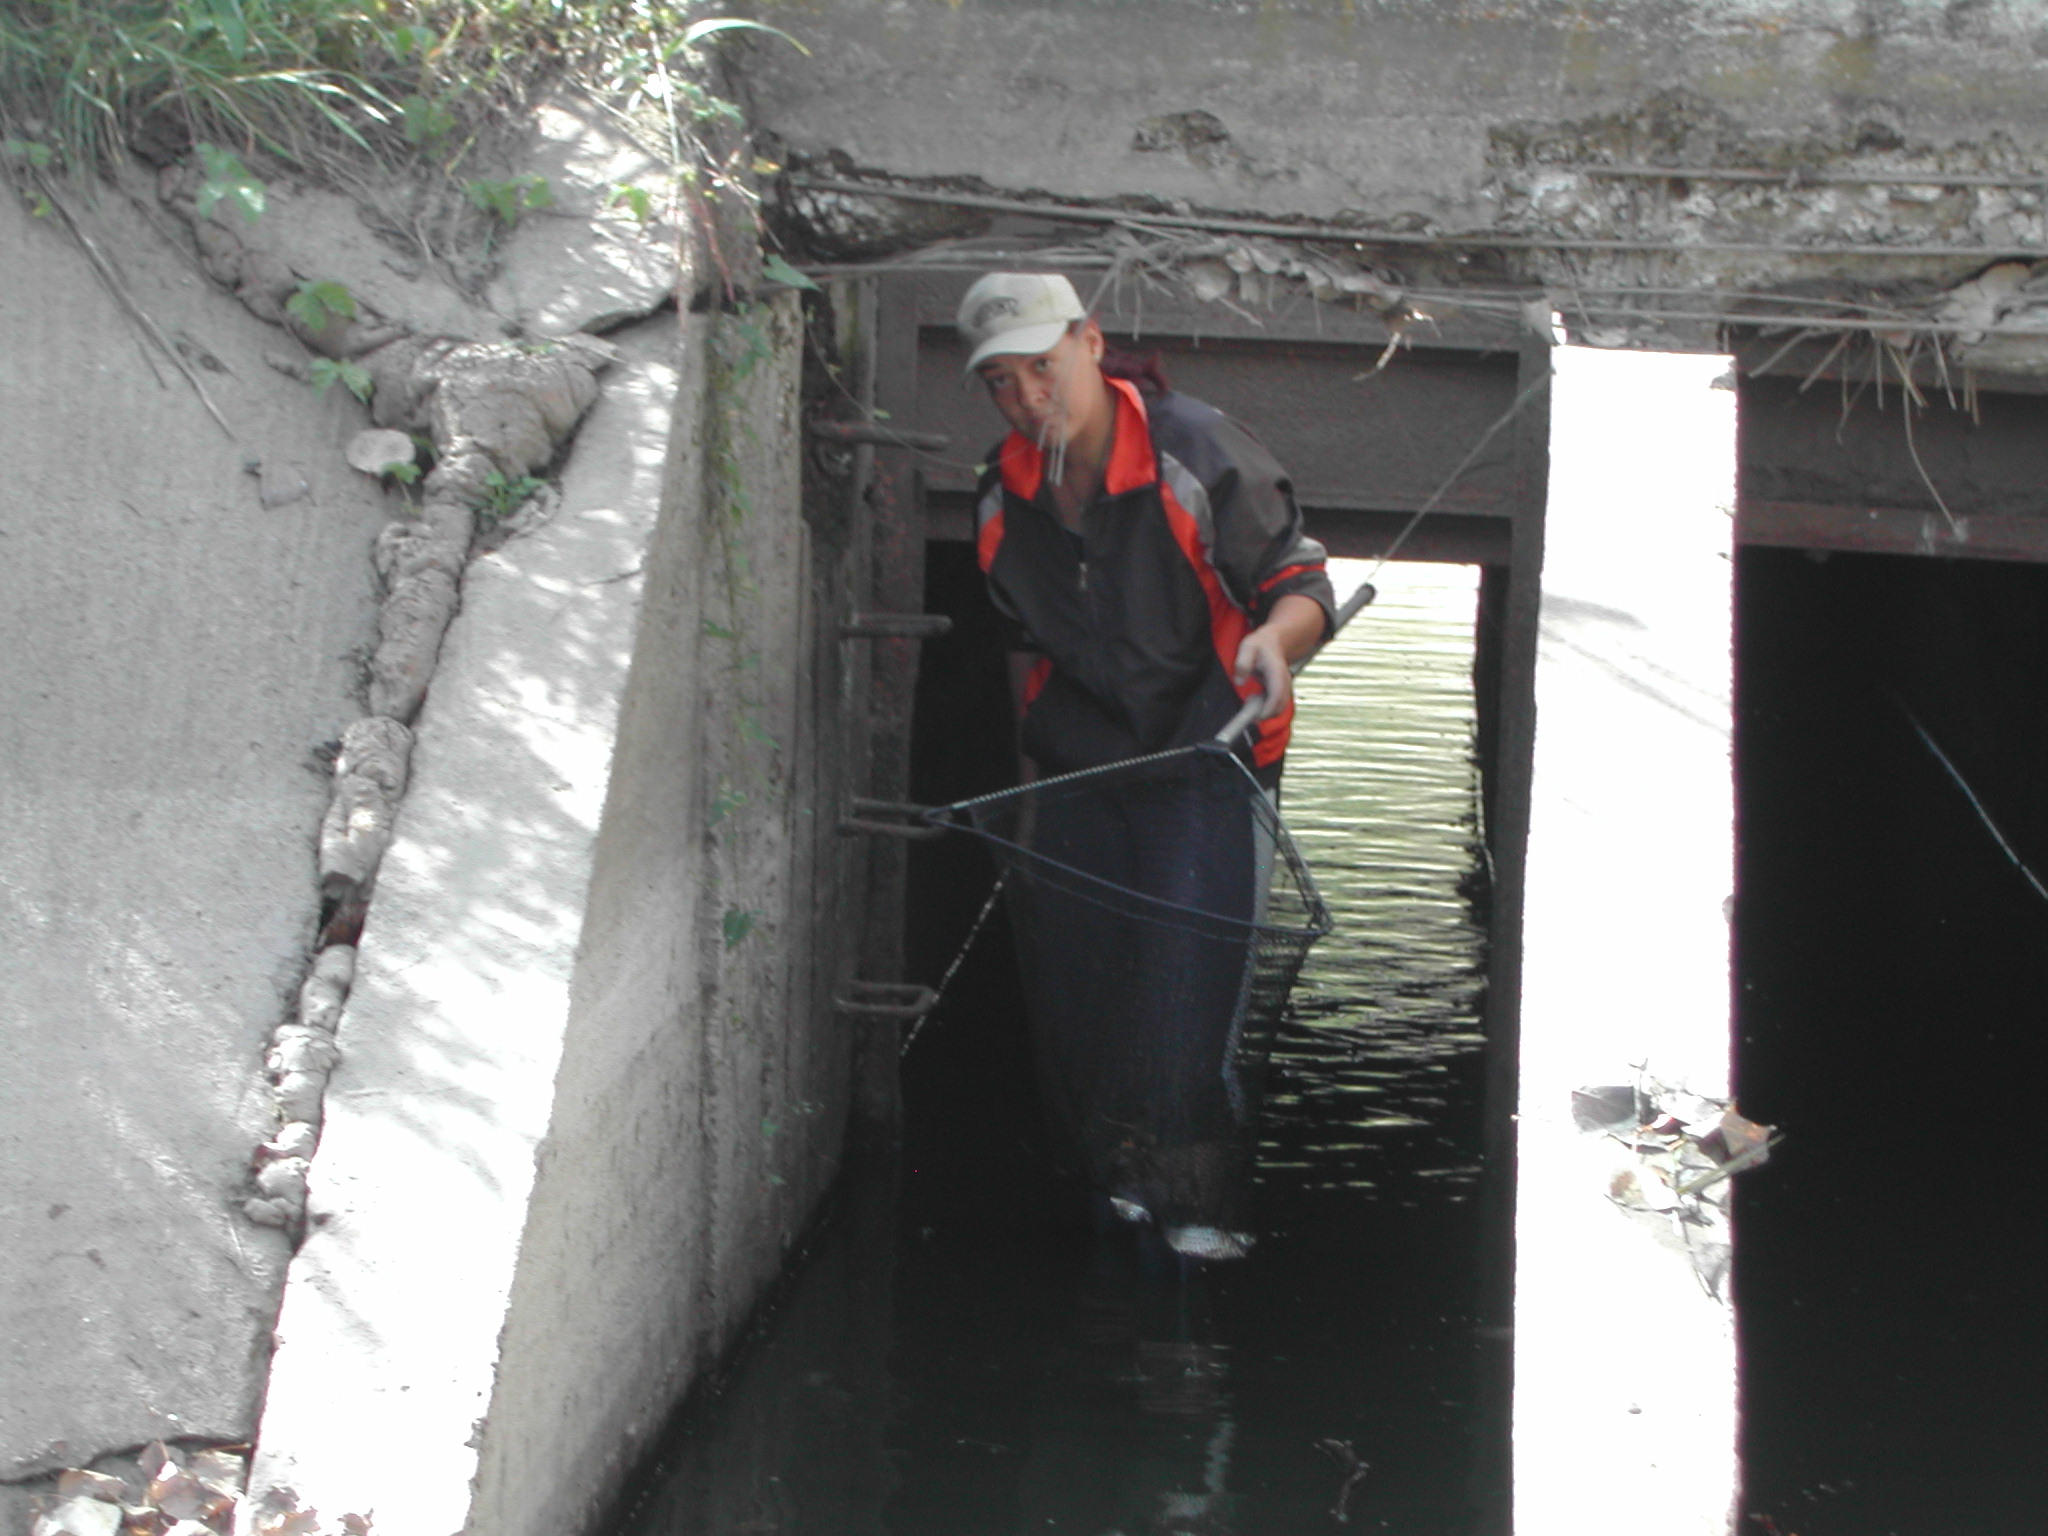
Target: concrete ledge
(388,1337)
(591,1085)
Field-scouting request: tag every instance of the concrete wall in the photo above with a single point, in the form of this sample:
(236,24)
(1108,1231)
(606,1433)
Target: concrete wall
(176,651)
(593,1083)
(1380,107)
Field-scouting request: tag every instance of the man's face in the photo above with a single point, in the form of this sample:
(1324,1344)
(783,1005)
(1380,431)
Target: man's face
(1044,396)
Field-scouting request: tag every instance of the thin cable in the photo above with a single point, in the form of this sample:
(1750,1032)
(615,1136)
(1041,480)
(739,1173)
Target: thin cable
(1528,393)
(1794,179)
(1975,804)
(1479,239)
(959,955)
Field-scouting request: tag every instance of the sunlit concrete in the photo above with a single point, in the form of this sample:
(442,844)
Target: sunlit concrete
(387,1343)
(582,1113)
(174,652)
(1625,1369)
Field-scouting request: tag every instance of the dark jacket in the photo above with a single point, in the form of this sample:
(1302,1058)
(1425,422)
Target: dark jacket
(1138,619)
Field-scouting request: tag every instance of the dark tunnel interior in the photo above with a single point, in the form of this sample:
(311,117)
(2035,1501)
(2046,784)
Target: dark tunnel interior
(1891,957)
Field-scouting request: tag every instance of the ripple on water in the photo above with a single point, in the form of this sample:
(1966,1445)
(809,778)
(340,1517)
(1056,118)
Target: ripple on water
(1381,1050)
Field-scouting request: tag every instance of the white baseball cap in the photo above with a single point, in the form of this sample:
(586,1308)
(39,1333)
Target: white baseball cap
(1017,312)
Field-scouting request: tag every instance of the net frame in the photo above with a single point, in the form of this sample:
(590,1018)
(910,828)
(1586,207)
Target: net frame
(1154,1087)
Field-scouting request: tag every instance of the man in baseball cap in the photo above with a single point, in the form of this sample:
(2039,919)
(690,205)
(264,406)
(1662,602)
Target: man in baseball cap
(1017,313)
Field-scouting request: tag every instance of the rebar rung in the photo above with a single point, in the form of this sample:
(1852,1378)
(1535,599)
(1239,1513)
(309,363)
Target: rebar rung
(895,626)
(885,1000)
(878,434)
(866,821)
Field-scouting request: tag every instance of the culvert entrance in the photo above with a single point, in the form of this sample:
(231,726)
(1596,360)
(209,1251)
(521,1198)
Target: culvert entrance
(1893,957)
(965,1351)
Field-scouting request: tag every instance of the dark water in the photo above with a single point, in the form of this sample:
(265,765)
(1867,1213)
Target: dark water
(1894,1021)
(965,1351)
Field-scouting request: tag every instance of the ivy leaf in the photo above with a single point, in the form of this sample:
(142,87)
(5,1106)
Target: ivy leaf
(325,372)
(34,151)
(425,119)
(776,270)
(509,199)
(739,922)
(725,803)
(319,302)
(228,180)
(637,199)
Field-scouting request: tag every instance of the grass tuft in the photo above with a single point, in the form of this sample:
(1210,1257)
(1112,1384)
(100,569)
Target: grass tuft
(306,81)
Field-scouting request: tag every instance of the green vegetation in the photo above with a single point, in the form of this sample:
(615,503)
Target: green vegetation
(319,303)
(503,495)
(509,199)
(228,181)
(323,373)
(310,82)
(738,923)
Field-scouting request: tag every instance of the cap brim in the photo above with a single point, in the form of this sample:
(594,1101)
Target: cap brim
(1025,340)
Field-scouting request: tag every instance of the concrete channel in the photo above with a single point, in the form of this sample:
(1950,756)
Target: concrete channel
(613,1019)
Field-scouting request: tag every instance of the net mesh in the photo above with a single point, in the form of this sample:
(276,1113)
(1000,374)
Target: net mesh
(1162,914)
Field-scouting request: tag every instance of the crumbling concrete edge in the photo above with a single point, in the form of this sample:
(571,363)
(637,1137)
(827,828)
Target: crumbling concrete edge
(494,413)
(390,1332)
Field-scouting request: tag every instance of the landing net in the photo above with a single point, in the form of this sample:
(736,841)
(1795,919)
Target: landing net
(1161,913)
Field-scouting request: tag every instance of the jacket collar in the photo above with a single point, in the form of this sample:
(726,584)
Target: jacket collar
(1132,463)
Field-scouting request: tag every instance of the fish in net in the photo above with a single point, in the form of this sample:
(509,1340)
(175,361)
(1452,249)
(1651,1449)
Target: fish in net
(1161,914)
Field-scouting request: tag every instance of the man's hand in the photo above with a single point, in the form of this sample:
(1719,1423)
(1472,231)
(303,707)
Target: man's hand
(1293,630)
(1262,655)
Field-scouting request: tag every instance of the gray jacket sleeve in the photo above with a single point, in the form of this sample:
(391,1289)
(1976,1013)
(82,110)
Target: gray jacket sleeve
(1260,549)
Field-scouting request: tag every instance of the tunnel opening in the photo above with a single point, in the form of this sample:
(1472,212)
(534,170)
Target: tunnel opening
(1892,738)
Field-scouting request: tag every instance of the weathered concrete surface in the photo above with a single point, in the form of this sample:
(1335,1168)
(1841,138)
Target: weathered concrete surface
(1327,108)
(1625,1389)
(587,261)
(702,1104)
(175,651)
(589,1092)
(328,237)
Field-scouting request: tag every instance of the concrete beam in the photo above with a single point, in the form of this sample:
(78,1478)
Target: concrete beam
(1625,1370)
(1322,109)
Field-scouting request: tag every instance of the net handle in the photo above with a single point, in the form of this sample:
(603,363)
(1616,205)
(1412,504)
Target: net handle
(1249,711)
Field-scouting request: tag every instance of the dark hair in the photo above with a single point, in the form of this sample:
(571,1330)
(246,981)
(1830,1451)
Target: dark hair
(1140,368)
